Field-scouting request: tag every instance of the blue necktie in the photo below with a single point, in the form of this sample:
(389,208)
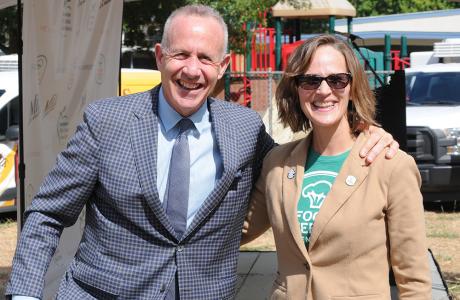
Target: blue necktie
(176,195)
(179,179)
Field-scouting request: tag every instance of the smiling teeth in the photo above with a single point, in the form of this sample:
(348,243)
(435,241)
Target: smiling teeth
(189,85)
(323,104)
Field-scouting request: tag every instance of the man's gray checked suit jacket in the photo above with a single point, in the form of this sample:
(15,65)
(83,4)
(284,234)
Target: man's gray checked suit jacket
(129,249)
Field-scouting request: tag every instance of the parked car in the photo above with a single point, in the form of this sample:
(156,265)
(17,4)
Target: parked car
(433,125)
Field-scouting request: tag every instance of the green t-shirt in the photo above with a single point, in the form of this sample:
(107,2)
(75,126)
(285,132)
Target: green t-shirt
(320,173)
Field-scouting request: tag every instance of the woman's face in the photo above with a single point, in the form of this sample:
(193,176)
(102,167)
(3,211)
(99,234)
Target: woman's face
(326,106)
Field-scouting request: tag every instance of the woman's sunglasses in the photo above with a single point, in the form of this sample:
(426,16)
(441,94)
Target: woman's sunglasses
(312,82)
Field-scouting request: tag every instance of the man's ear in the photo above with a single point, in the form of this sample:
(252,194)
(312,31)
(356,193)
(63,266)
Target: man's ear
(158,55)
(223,65)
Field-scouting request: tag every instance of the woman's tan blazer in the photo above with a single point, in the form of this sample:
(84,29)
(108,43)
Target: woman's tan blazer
(371,220)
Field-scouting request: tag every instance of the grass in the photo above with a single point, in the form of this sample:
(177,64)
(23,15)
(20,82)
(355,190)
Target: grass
(453,282)
(443,234)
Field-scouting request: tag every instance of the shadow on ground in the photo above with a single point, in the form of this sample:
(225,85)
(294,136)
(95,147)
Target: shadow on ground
(9,216)
(442,205)
(4,275)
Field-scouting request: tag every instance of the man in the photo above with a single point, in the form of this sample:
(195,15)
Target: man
(140,241)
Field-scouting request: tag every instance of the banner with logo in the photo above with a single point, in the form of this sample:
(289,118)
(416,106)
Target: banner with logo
(71,57)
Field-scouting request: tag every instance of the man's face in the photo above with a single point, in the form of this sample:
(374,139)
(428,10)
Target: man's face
(193,63)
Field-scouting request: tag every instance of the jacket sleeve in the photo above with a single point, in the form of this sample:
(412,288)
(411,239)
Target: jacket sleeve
(257,221)
(406,230)
(57,204)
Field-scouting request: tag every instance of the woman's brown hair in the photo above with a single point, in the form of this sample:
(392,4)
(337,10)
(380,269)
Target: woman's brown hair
(361,96)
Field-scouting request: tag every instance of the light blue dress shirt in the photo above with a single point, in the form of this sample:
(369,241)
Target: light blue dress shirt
(16,297)
(205,160)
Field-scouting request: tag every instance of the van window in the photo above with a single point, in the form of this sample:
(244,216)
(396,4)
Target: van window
(9,115)
(433,88)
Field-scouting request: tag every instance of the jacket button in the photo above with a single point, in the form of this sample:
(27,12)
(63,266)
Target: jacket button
(180,248)
(307,266)
(162,288)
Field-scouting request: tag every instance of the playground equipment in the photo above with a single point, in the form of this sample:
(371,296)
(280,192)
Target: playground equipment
(260,46)
(265,50)
(313,9)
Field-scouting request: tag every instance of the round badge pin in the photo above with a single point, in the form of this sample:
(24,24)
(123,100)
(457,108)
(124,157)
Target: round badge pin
(351,180)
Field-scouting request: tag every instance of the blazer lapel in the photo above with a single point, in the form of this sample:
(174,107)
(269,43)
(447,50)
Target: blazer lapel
(144,140)
(353,172)
(225,135)
(292,187)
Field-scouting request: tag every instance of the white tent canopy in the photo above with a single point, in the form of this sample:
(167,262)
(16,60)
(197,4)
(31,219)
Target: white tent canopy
(315,8)
(71,51)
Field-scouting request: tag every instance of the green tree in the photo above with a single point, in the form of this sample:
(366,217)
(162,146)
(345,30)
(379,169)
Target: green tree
(8,30)
(143,20)
(236,14)
(365,8)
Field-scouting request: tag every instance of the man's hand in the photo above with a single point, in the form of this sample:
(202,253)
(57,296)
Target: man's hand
(379,140)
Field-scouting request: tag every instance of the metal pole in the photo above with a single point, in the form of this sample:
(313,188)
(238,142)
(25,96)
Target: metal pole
(349,24)
(279,31)
(270,108)
(21,165)
(387,54)
(331,24)
(248,47)
(119,65)
(403,53)
(297,30)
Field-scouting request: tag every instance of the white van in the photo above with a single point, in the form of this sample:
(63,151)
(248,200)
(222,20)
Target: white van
(433,118)
(9,121)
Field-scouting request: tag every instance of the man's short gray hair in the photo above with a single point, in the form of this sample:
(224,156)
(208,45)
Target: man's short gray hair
(198,10)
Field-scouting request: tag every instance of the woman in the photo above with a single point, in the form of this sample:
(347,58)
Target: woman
(340,246)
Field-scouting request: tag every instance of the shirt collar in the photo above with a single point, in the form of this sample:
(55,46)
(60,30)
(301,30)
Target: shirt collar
(169,117)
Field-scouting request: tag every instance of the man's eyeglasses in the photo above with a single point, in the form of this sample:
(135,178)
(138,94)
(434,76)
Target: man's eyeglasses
(312,82)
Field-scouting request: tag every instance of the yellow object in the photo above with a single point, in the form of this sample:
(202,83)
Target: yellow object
(138,80)
(7,203)
(7,170)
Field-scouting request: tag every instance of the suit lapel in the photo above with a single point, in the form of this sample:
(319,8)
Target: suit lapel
(225,135)
(292,187)
(144,140)
(352,174)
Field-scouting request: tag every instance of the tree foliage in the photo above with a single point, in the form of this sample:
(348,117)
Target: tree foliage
(365,8)
(143,20)
(8,30)
(236,14)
